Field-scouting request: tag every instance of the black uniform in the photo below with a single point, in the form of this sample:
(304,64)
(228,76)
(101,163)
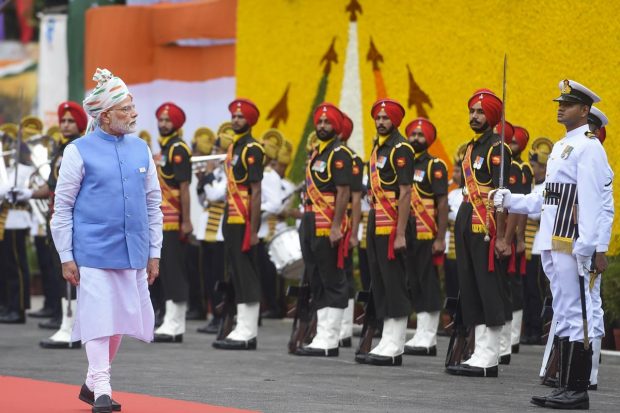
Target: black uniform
(247,168)
(390,286)
(329,168)
(175,168)
(483,293)
(431,181)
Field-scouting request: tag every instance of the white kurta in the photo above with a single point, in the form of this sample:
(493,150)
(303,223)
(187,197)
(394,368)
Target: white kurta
(580,160)
(109,302)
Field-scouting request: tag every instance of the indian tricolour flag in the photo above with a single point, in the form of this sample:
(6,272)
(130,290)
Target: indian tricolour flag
(179,52)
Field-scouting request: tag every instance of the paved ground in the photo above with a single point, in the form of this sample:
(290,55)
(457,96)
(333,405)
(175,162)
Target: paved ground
(270,380)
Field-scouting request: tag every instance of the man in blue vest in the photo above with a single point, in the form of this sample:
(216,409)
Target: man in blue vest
(107,228)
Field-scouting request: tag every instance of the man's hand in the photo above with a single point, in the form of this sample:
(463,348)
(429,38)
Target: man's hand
(600,262)
(502,248)
(501,198)
(187,227)
(439,246)
(254,239)
(335,235)
(520,246)
(353,241)
(70,272)
(152,270)
(400,243)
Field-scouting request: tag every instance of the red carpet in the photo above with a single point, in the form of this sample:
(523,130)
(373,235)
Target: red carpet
(19,395)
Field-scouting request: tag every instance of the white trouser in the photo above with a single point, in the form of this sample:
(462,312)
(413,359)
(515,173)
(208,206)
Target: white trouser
(566,296)
(505,340)
(346,327)
(247,322)
(596,356)
(101,353)
(597,308)
(174,319)
(547,353)
(517,321)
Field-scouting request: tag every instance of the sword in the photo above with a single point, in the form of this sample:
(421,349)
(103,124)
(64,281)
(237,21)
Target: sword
(503,134)
(584,315)
(69,312)
(18,147)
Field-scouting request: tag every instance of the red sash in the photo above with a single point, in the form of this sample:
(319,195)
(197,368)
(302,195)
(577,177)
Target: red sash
(326,209)
(479,204)
(236,201)
(424,209)
(170,204)
(382,202)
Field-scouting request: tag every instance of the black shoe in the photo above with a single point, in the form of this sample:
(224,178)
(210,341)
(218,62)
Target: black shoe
(212,327)
(593,387)
(569,400)
(505,359)
(51,324)
(421,351)
(13,317)
(316,352)
(377,360)
(194,315)
(88,396)
(541,400)
(43,313)
(228,344)
(345,342)
(167,338)
(47,343)
(515,349)
(159,318)
(472,371)
(550,382)
(361,358)
(103,404)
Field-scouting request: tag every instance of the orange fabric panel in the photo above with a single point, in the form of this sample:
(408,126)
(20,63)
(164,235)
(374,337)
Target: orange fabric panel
(210,19)
(191,64)
(118,38)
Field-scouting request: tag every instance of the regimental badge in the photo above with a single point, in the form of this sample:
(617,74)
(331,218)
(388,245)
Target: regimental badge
(251,160)
(401,162)
(418,175)
(356,170)
(381,161)
(235,158)
(438,174)
(496,160)
(177,159)
(512,180)
(566,152)
(566,89)
(478,162)
(339,164)
(319,166)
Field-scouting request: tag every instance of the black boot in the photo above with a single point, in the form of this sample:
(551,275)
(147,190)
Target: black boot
(13,317)
(577,380)
(558,366)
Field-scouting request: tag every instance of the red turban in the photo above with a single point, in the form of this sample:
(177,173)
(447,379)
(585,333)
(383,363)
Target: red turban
(521,137)
(76,111)
(333,114)
(347,128)
(491,105)
(248,110)
(510,131)
(428,129)
(175,113)
(394,110)
(602,134)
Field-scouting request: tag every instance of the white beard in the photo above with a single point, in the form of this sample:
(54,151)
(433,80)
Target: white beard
(123,128)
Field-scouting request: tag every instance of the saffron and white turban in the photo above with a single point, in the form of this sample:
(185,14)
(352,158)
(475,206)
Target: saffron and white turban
(110,91)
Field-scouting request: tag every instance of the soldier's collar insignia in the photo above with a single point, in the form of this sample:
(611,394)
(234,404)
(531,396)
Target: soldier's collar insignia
(566,89)
(566,152)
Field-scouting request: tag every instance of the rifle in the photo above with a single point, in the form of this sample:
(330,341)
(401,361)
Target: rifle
(227,309)
(462,341)
(370,324)
(303,315)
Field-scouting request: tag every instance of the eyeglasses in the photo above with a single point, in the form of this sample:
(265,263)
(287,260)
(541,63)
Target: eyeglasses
(127,109)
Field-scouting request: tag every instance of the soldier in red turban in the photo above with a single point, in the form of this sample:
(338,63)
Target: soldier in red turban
(246,108)
(170,118)
(77,114)
(480,240)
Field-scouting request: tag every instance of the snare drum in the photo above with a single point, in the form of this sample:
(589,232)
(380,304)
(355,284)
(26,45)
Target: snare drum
(285,253)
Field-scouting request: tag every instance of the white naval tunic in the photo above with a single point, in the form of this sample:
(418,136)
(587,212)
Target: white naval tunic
(274,191)
(19,218)
(109,302)
(575,159)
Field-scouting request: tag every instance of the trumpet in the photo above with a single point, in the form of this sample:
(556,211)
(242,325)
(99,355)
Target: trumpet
(199,163)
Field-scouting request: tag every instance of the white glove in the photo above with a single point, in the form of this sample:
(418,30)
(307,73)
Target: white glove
(501,198)
(23,194)
(584,263)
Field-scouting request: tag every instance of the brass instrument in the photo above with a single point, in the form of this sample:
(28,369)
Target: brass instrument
(199,163)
